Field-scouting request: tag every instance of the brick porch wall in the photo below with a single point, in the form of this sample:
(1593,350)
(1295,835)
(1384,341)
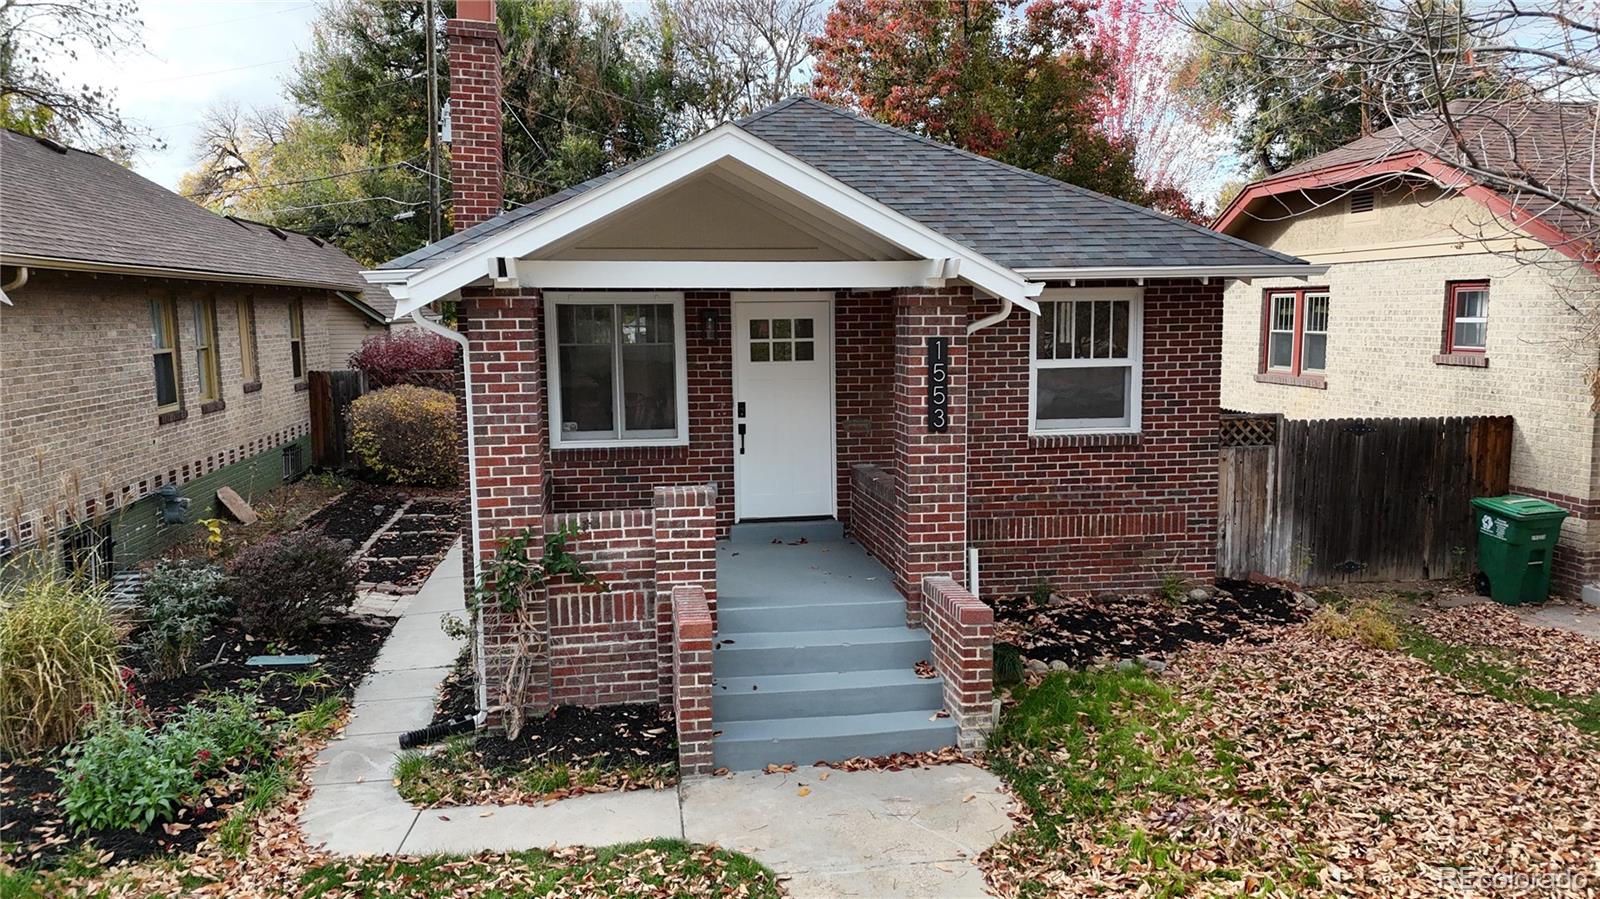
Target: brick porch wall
(872,503)
(603,643)
(1100,512)
(693,635)
(962,630)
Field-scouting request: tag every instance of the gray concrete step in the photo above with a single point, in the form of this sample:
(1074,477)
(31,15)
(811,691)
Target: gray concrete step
(747,745)
(824,693)
(802,652)
(810,616)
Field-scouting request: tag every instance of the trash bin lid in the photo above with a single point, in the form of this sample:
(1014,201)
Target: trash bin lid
(1518,508)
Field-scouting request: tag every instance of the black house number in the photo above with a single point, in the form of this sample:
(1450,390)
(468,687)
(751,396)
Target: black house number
(938,385)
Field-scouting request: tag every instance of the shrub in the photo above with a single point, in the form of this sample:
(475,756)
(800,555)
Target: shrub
(390,359)
(58,658)
(406,434)
(1365,623)
(122,777)
(283,585)
(185,601)
(208,738)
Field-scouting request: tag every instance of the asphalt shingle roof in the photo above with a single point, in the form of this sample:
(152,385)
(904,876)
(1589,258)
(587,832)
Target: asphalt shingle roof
(69,205)
(1015,217)
(1547,143)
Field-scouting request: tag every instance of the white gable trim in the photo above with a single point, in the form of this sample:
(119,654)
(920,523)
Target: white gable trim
(418,288)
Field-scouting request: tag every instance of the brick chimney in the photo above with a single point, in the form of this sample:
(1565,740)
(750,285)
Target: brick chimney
(476,160)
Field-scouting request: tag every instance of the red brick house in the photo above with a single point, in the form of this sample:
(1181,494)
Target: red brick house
(986,377)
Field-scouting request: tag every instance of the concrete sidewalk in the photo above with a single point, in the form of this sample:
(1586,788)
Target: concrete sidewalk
(906,833)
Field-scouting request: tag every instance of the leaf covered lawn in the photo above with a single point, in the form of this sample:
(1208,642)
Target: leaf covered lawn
(1307,765)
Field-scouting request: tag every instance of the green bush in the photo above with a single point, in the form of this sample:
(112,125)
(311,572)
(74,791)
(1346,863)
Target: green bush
(122,776)
(185,601)
(406,434)
(282,586)
(208,738)
(58,658)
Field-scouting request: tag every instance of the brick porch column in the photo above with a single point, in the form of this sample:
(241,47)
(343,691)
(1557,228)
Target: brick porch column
(503,333)
(930,467)
(685,545)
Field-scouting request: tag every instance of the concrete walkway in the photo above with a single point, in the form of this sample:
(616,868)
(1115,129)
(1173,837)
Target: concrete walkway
(860,833)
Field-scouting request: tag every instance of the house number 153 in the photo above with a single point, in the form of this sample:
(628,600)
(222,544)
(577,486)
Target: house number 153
(938,384)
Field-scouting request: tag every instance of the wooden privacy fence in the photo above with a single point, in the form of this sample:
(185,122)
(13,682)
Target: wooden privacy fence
(332,392)
(1369,499)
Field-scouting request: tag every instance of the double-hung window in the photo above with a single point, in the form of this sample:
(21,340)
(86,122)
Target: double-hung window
(249,368)
(205,349)
(297,340)
(1087,354)
(1296,339)
(1466,318)
(619,373)
(164,344)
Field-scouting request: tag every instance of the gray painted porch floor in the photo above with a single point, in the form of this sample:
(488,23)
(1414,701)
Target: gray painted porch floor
(829,567)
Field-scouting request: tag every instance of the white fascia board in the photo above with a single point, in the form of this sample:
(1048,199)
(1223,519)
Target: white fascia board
(683,161)
(1090,273)
(389,275)
(676,275)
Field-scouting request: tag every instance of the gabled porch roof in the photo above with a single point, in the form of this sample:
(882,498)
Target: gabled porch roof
(996,227)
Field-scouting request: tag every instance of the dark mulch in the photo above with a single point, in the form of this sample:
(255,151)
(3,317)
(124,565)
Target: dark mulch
(409,551)
(611,736)
(358,514)
(1081,630)
(34,828)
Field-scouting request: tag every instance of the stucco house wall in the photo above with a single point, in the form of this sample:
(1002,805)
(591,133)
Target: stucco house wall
(1387,284)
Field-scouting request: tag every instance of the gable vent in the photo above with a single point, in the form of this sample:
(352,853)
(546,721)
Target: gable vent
(1362,201)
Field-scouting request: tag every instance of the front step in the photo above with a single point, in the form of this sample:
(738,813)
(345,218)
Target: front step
(810,616)
(749,745)
(825,693)
(802,652)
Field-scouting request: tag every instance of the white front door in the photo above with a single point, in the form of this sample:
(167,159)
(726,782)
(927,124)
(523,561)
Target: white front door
(783,408)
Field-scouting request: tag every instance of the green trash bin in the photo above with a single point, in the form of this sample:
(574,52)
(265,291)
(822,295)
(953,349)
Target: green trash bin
(1516,536)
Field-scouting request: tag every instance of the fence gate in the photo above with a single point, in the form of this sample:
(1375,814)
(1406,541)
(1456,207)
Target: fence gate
(1321,502)
(332,392)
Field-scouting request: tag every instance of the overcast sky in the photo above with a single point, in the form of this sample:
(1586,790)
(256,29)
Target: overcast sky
(199,52)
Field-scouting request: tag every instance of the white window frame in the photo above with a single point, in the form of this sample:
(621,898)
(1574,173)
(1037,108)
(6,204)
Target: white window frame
(1135,363)
(553,366)
(1273,329)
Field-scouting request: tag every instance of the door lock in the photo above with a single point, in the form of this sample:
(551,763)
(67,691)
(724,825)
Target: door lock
(741,409)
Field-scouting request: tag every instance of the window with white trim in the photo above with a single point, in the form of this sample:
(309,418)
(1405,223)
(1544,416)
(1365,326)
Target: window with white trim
(1087,360)
(1296,331)
(618,375)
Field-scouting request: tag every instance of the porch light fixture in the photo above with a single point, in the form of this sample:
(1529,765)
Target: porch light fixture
(708,324)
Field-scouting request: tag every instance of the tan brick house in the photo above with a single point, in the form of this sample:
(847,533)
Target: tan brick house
(717,359)
(1440,298)
(146,343)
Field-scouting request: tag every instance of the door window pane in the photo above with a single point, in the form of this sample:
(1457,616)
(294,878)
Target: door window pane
(760,352)
(1076,394)
(804,350)
(803,327)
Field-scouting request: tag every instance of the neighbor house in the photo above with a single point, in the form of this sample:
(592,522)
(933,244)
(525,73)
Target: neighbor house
(1442,297)
(990,378)
(149,345)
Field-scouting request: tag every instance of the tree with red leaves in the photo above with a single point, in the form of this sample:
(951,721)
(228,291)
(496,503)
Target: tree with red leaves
(1021,83)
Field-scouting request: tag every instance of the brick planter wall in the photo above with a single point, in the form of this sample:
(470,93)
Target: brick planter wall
(962,629)
(692,638)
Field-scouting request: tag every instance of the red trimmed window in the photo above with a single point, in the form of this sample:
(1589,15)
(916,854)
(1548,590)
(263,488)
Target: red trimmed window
(1294,338)
(1466,317)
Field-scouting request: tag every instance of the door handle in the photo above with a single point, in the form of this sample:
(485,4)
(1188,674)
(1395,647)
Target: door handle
(741,438)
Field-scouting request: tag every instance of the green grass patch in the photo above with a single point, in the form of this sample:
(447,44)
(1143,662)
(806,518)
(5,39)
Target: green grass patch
(654,868)
(1495,671)
(1093,753)
(263,789)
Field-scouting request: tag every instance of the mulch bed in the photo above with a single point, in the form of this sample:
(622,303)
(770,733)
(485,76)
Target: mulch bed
(358,514)
(1082,630)
(34,826)
(404,556)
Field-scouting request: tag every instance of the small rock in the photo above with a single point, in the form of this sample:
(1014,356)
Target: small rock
(1059,665)
(1305,602)
(1056,601)
(1037,666)
(1108,597)
(1153,663)
(1455,600)
(1127,665)
(1199,594)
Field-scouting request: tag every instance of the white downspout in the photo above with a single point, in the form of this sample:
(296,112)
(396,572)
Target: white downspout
(482,716)
(987,321)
